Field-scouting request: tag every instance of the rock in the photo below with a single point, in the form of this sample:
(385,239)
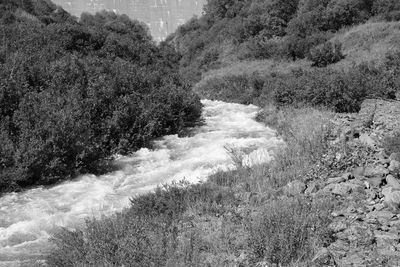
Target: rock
(341,189)
(378,207)
(338,226)
(294,188)
(395,156)
(375,181)
(347,176)
(381,215)
(323,258)
(393,182)
(392,197)
(358,172)
(367,140)
(311,188)
(335,180)
(373,171)
(394,166)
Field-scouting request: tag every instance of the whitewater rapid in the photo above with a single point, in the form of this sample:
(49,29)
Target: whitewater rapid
(28,219)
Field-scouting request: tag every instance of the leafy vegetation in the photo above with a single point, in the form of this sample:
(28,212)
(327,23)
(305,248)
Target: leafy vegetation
(74,93)
(279,29)
(339,90)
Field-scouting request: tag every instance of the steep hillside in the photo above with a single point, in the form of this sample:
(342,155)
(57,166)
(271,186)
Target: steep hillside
(275,29)
(74,93)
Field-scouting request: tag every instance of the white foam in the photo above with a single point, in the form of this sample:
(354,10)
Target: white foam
(27,219)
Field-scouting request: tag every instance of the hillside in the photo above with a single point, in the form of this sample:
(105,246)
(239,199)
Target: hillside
(327,76)
(72,94)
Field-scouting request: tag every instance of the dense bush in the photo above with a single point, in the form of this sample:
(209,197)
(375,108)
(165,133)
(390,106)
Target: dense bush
(289,230)
(72,94)
(325,54)
(391,143)
(150,233)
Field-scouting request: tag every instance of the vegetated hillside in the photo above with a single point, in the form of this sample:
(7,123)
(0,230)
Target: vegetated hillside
(74,93)
(330,196)
(274,29)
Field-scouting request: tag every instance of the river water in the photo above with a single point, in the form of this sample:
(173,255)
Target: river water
(28,219)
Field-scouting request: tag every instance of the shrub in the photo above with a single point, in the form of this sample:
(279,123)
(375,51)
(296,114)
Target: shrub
(391,143)
(289,230)
(325,54)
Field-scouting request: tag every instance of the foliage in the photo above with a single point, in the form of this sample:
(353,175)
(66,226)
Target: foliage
(269,29)
(72,94)
(289,230)
(391,143)
(325,54)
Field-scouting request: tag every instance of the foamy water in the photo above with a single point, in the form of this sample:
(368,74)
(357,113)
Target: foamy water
(28,219)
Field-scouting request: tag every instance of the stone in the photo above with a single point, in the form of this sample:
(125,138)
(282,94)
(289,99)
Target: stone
(338,226)
(378,207)
(311,188)
(341,189)
(367,140)
(373,171)
(393,182)
(335,180)
(395,156)
(294,188)
(358,171)
(391,197)
(375,181)
(394,166)
(323,258)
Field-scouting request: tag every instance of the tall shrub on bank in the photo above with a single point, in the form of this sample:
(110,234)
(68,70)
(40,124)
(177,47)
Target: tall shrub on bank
(74,93)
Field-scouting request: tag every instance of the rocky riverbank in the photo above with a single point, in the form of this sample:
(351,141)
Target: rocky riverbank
(367,226)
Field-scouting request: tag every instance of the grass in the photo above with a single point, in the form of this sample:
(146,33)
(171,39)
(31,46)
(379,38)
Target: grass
(368,42)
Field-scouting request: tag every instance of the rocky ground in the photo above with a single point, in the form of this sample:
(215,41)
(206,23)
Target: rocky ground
(367,224)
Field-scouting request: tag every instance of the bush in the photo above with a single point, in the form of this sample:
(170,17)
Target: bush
(325,54)
(289,230)
(391,143)
(152,232)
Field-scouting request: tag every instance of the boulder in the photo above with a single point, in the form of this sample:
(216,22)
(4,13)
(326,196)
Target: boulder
(393,182)
(367,140)
(294,188)
(394,166)
(341,189)
(375,181)
(323,258)
(391,197)
(311,188)
(335,180)
(395,156)
(373,171)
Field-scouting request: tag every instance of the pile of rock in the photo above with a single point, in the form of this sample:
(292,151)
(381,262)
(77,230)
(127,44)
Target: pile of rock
(367,231)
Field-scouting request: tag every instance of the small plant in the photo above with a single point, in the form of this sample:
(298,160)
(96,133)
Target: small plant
(326,54)
(391,143)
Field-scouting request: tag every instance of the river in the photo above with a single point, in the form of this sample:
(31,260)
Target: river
(28,219)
